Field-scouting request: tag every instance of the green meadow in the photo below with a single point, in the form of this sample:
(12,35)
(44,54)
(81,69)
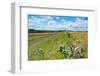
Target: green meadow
(57,45)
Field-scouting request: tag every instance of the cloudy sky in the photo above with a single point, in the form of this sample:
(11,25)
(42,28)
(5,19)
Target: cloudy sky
(74,23)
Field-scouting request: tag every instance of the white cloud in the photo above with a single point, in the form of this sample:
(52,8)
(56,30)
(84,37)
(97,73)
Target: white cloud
(57,18)
(51,23)
(78,25)
(49,18)
(48,23)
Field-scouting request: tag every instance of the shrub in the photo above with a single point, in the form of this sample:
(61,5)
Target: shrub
(65,51)
(38,54)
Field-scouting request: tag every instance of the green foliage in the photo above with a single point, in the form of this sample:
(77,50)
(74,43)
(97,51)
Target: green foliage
(65,51)
(38,54)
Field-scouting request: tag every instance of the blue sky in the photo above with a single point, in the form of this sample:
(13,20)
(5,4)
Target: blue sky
(74,23)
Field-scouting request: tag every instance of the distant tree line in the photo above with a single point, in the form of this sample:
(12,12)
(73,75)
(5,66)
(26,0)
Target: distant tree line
(43,31)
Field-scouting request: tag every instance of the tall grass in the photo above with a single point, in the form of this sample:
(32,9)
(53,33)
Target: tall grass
(61,45)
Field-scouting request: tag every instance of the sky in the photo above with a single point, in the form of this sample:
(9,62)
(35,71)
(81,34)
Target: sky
(43,22)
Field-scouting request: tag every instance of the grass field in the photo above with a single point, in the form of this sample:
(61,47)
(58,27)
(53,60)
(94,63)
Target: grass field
(57,45)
